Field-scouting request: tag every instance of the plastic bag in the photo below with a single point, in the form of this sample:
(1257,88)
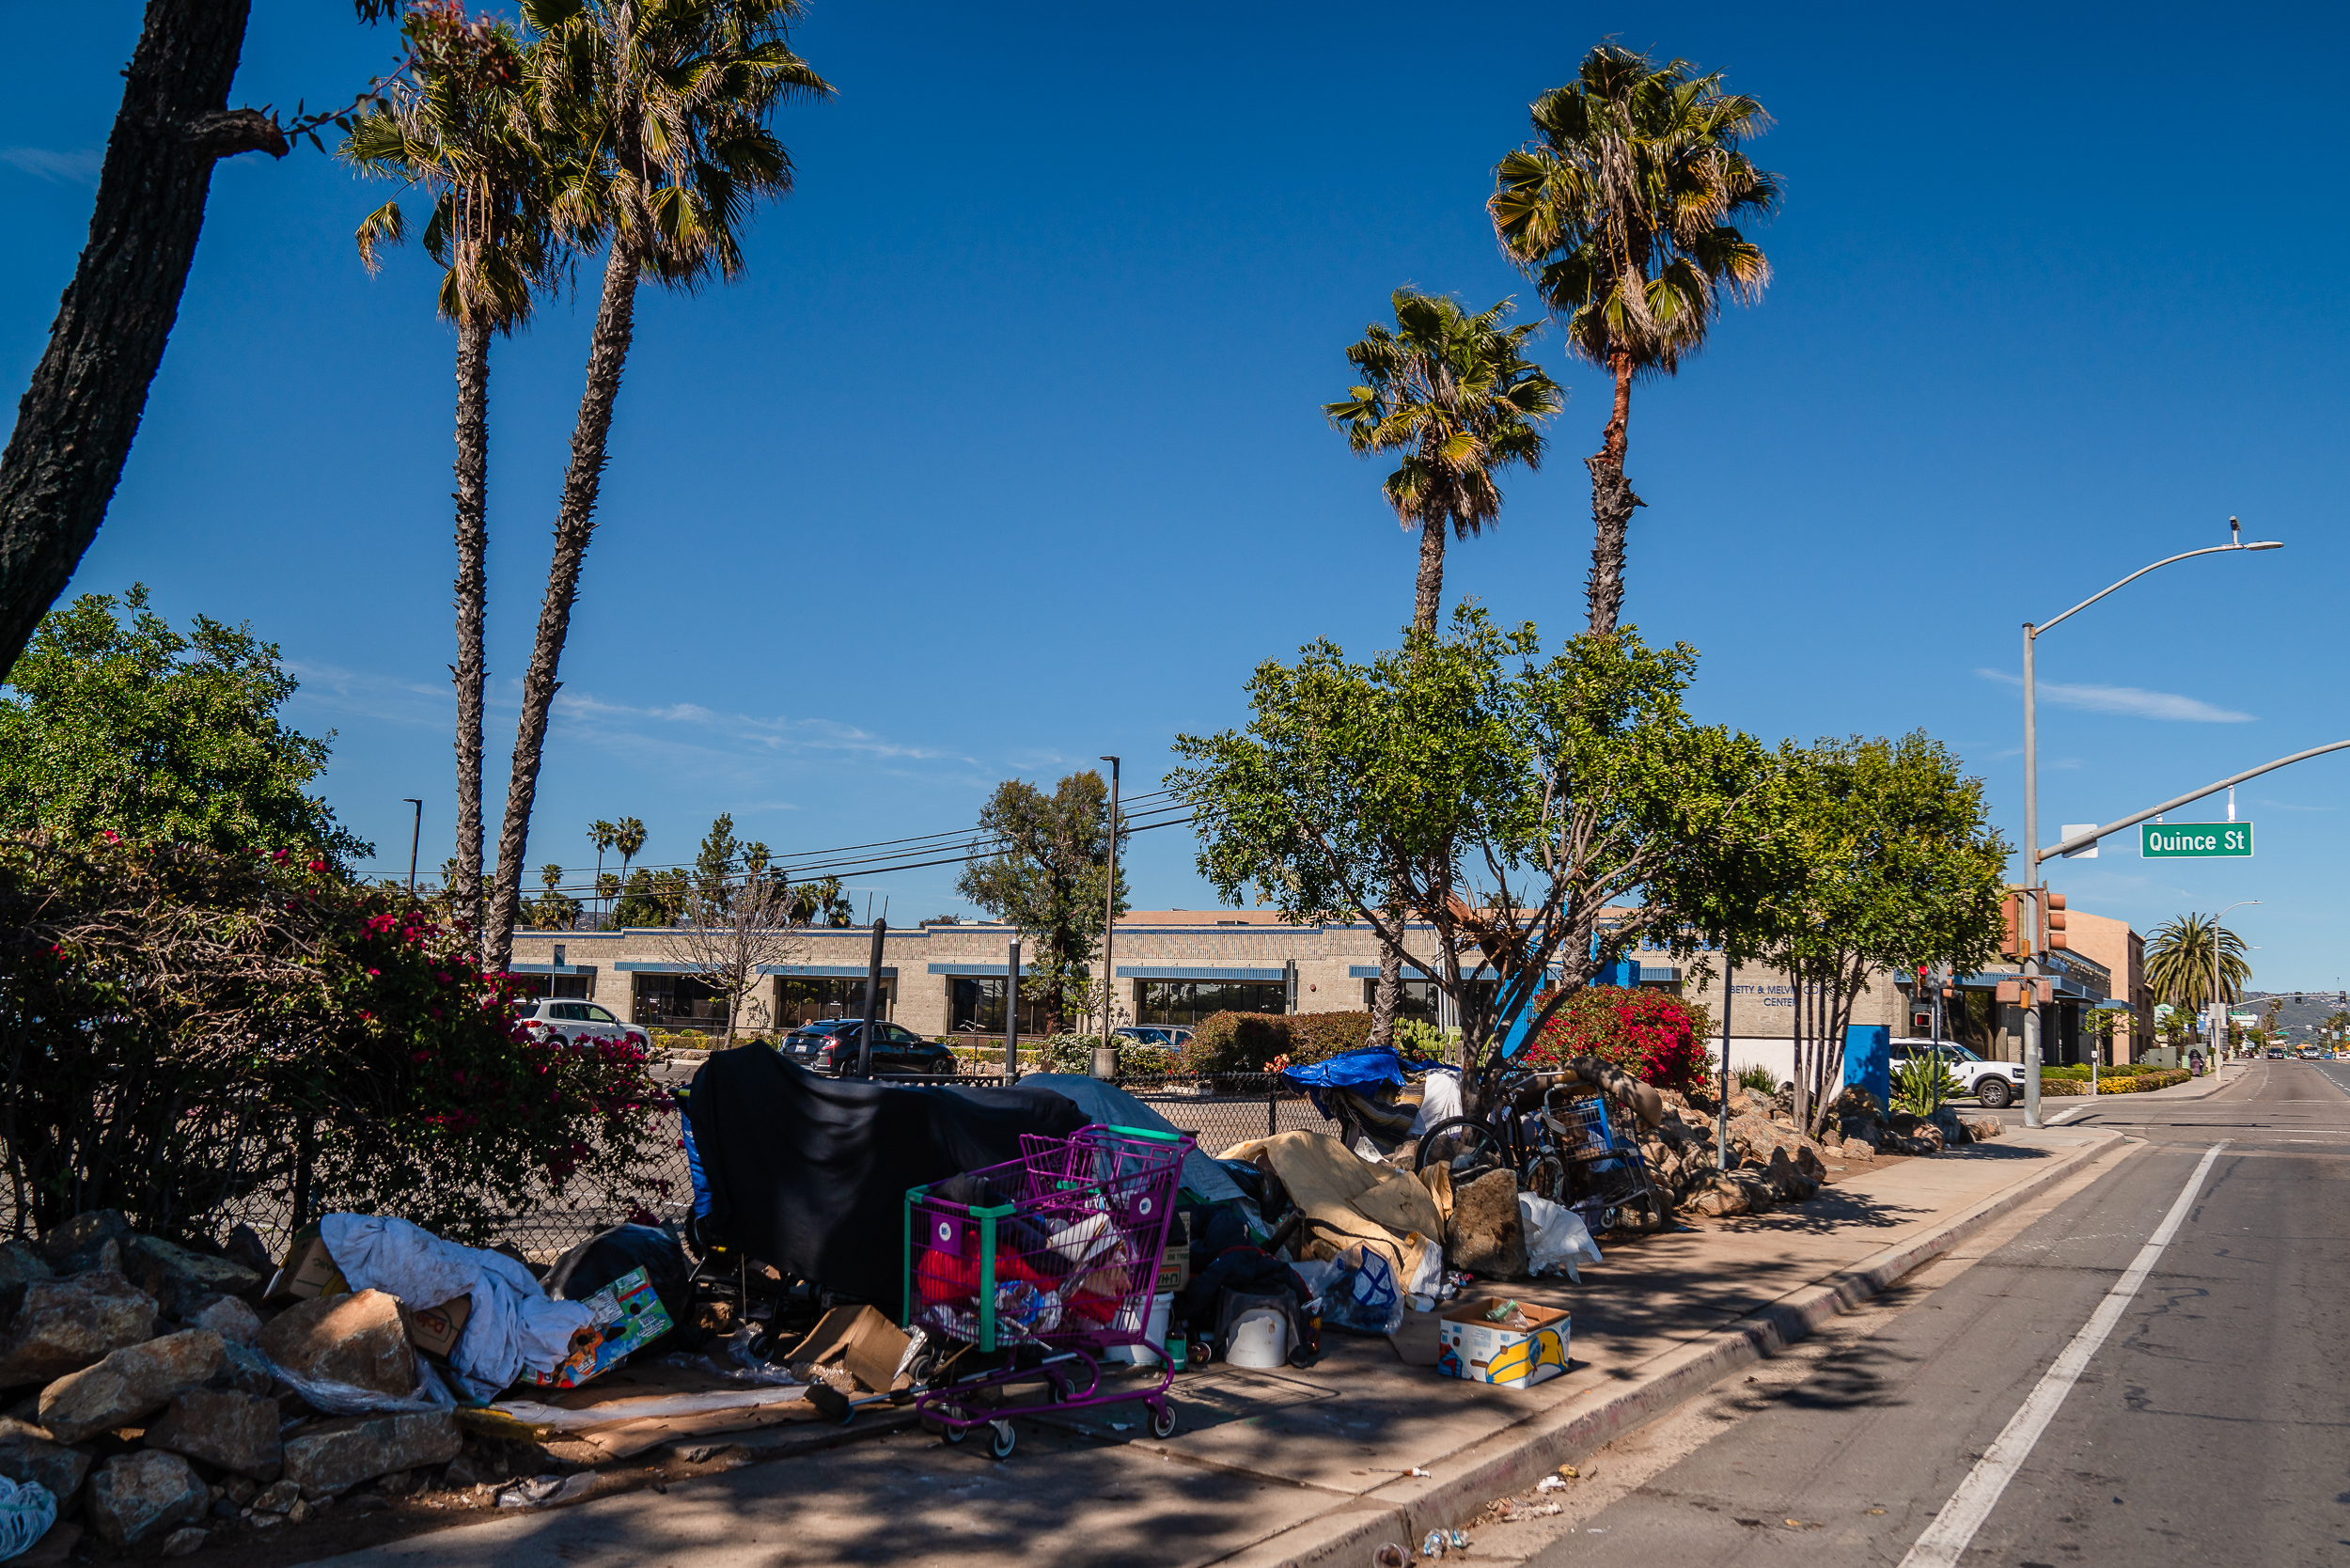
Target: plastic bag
(1555,1238)
(739,1362)
(26,1512)
(330,1397)
(1362,1298)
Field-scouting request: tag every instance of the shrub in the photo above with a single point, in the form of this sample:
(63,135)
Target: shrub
(1236,1042)
(1650,1034)
(1073,1053)
(1318,1036)
(1420,1042)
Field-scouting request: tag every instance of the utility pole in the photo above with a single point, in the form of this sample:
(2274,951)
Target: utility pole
(1012,1015)
(416,835)
(873,1001)
(1105,1061)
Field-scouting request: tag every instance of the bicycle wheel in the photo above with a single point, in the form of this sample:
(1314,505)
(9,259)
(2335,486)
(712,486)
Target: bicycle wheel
(1466,1145)
(1545,1176)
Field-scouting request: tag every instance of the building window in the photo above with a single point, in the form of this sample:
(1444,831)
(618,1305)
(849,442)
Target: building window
(534,986)
(1189,1001)
(678,1002)
(807,998)
(1414,998)
(975,1004)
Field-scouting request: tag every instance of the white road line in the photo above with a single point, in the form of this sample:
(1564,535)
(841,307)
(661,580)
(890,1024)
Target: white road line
(1946,1539)
(2061,1116)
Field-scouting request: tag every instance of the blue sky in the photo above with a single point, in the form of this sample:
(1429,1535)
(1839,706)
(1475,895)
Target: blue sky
(1007,451)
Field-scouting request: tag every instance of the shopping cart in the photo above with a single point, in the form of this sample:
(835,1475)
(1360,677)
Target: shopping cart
(1025,1275)
(1592,1169)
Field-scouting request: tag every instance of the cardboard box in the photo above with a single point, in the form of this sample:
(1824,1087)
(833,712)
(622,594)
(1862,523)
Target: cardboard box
(1482,1351)
(309,1271)
(861,1338)
(626,1316)
(436,1329)
(1175,1268)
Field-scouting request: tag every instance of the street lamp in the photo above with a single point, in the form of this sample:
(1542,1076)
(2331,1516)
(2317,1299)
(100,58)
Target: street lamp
(1105,1056)
(416,836)
(2219,1007)
(2030,903)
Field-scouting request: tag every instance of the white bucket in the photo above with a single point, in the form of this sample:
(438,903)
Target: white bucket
(1161,1307)
(1261,1340)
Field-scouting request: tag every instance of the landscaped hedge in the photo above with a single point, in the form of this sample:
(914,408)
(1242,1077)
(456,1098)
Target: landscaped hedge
(2131,1079)
(1251,1041)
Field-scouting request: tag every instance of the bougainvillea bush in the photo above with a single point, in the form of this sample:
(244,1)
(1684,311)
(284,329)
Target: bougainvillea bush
(188,1035)
(1652,1035)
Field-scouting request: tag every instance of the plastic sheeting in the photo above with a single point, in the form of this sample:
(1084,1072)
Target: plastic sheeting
(1356,1069)
(1439,1098)
(513,1328)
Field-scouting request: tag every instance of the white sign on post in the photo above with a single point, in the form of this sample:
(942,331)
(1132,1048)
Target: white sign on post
(2071,828)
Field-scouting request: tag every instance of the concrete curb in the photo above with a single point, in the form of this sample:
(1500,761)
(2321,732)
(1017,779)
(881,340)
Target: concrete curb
(1512,1461)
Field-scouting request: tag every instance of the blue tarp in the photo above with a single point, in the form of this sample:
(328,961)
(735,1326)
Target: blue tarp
(1356,1069)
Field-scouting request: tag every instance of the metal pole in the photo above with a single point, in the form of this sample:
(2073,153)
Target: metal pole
(873,1001)
(2028,906)
(1011,1013)
(1109,915)
(415,835)
(1721,1111)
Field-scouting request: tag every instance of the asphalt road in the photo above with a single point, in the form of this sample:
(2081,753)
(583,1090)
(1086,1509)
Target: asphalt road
(2209,1424)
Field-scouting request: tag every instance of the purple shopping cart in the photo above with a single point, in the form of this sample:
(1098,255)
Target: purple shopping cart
(1033,1271)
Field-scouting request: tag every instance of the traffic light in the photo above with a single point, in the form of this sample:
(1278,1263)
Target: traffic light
(2055,920)
(2011,925)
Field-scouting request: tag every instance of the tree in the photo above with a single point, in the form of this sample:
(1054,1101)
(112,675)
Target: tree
(157,737)
(601,834)
(719,861)
(1884,859)
(76,421)
(627,837)
(1527,801)
(822,902)
(460,125)
(1048,876)
(732,934)
(2179,967)
(552,911)
(1620,211)
(675,97)
(1455,394)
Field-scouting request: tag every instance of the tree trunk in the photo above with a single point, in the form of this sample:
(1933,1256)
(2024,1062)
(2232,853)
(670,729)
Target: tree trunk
(1611,508)
(1385,995)
(78,417)
(1430,593)
(574,525)
(473,459)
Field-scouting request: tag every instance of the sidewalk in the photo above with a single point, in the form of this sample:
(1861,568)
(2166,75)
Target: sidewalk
(1295,1467)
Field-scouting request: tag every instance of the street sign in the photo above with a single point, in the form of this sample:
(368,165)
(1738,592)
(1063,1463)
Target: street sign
(2195,840)
(2089,853)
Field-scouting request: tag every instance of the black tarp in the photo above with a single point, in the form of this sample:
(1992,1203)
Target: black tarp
(809,1173)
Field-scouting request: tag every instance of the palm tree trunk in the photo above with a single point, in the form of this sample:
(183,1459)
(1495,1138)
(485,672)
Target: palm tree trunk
(1383,998)
(1611,508)
(473,459)
(1431,594)
(574,525)
(77,419)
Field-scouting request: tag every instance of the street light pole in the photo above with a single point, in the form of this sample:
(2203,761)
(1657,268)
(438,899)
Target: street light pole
(2029,905)
(1109,928)
(416,836)
(2219,1007)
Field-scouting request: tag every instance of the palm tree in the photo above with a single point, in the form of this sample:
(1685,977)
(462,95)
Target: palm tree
(1456,395)
(674,96)
(627,837)
(600,834)
(2179,967)
(1620,211)
(459,126)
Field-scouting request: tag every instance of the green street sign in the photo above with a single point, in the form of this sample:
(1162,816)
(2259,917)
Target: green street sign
(2195,840)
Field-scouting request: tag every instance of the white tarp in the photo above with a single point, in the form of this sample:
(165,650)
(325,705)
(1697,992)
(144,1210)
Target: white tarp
(1439,1098)
(514,1327)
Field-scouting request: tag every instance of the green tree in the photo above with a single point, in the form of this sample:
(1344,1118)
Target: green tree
(552,910)
(1883,857)
(603,834)
(1527,801)
(1620,209)
(126,726)
(459,125)
(717,864)
(1048,875)
(2179,963)
(675,99)
(823,902)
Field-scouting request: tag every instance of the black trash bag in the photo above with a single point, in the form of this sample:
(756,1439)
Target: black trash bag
(599,1259)
(1244,1270)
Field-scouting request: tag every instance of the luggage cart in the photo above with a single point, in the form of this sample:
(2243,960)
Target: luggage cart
(1602,1175)
(1034,1287)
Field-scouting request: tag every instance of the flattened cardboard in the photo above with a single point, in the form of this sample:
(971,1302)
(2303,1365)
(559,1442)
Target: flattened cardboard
(309,1271)
(1481,1351)
(436,1330)
(862,1340)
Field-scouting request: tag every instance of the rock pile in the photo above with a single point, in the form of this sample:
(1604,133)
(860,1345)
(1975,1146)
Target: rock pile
(151,1390)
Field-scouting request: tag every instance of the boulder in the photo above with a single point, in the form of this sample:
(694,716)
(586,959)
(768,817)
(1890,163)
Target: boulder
(185,1542)
(130,1385)
(1986,1127)
(231,1319)
(278,1497)
(1788,1184)
(66,1324)
(1485,1235)
(1925,1138)
(76,1246)
(140,1496)
(332,1456)
(181,1280)
(246,1370)
(20,1264)
(355,1339)
(1809,1163)
(230,1431)
(246,1247)
(26,1454)
(1720,1198)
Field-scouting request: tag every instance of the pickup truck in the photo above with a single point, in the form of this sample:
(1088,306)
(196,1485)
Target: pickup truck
(1997,1083)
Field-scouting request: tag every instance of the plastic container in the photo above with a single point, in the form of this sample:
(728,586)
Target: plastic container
(1162,1306)
(1259,1340)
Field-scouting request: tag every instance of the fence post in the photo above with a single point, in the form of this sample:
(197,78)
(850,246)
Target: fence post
(1012,1019)
(1273,1106)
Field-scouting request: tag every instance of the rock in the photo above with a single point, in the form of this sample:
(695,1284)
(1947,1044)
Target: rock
(129,1384)
(231,1319)
(20,1264)
(335,1455)
(1809,1163)
(74,1246)
(1485,1235)
(278,1497)
(177,1277)
(230,1431)
(1986,1127)
(242,1490)
(355,1339)
(66,1324)
(1721,1198)
(26,1454)
(1788,1184)
(461,1472)
(1925,1138)
(55,1548)
(186,1541)
(249,1250)
(138,1496)
(246,1370)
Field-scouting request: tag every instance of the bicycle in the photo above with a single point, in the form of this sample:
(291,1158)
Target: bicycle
(1561,1147)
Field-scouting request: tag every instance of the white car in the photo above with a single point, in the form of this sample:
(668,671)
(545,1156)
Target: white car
(1997,1083)
(573,1023)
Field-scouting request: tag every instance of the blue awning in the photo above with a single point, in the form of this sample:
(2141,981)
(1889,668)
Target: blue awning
(1161,971)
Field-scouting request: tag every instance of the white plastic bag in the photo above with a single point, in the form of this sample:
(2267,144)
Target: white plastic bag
(26,1512)
(330,1397)
(1439,1099)
(1555,1238)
